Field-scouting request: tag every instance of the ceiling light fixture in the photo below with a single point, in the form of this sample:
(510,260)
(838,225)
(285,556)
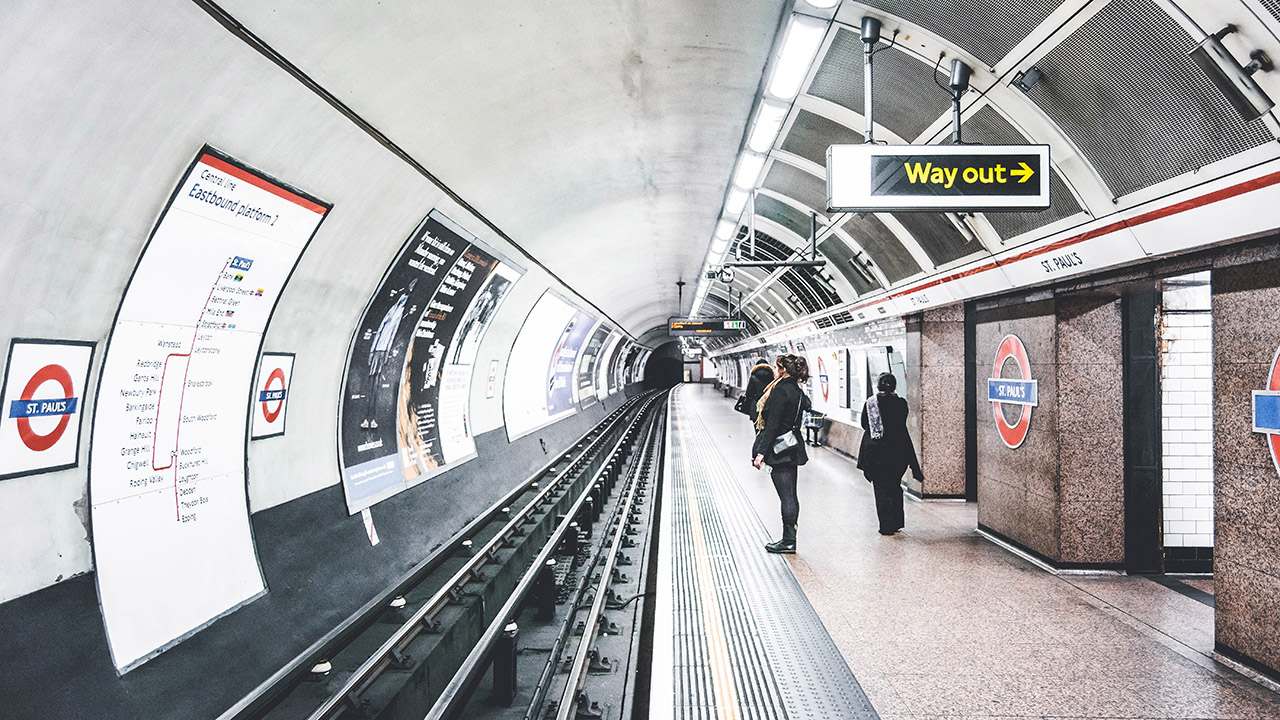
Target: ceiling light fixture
(737,201)
(725,229)
(718,246)
(823,4)
(804,36)
(749,167)
(769,121)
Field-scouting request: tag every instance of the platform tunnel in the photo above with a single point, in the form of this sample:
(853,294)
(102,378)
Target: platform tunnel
(293,293)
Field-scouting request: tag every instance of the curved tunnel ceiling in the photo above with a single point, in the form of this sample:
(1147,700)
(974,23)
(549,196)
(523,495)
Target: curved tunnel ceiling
(602,138)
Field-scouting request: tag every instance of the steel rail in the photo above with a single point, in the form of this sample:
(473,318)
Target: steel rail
(577,674)
(383,657)
(453,694)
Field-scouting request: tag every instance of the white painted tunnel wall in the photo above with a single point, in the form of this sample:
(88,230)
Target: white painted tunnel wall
(103,111)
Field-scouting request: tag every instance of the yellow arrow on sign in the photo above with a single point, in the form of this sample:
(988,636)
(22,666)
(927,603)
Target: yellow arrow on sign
(1026,172)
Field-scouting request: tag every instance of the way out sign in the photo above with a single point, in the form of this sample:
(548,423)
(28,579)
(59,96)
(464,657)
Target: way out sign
(934,178)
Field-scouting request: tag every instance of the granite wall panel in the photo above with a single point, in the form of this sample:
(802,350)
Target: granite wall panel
(1246,329)
(936,340)
(1060,493)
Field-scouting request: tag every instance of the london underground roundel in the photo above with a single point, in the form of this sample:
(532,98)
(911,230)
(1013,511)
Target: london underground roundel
(1011,384)
(40,405)
(1266,410)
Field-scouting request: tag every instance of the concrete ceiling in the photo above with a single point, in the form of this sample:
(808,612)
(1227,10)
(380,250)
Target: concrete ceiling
(602,137)
(599,136)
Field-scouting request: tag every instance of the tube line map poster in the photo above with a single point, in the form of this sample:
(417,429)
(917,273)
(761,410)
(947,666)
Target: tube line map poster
(172,545)
(405,412)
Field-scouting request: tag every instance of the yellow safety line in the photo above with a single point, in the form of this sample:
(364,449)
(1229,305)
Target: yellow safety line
(718,651)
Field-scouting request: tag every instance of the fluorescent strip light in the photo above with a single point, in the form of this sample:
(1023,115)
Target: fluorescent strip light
(804,36)
(718,247)
(725,229)
(768,122)
(736,203)
(824,4)
(749,168)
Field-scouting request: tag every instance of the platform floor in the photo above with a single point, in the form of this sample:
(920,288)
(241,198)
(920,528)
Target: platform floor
(938,621)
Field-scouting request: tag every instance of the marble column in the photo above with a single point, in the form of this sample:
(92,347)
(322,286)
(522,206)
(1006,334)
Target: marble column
(1246,558)
(935,377)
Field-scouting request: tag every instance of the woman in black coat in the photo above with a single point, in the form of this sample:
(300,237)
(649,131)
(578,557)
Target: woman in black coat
(887,451)
(761,376)
(780,409)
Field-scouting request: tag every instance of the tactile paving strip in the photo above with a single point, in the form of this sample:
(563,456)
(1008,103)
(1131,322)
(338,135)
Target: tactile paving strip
(783,663)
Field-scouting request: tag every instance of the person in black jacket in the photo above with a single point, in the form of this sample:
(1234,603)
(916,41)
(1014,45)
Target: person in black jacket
(761,377)
(780,408)
(887,451)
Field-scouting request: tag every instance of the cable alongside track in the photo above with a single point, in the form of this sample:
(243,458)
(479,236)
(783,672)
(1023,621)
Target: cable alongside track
(417,649)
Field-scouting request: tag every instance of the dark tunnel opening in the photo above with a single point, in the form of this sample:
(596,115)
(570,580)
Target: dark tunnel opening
(665,368)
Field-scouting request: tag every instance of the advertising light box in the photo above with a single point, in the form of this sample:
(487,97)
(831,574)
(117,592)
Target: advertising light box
(407,388)
(538,387)
(172,545)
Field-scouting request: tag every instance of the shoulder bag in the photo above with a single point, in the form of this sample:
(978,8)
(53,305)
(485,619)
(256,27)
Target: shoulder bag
(788,439)
(741,405)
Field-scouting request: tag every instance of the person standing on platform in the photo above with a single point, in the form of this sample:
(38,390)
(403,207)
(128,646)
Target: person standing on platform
(761,377)
(778,442)
(887,451)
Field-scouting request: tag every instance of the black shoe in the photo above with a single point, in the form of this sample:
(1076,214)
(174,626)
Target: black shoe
(785,546)
(888,532)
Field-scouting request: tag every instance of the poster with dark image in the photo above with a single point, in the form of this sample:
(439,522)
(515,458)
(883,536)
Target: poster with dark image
(371,464)
(587,367)
(615,366)
(419,412)
(563,361)
(478,318)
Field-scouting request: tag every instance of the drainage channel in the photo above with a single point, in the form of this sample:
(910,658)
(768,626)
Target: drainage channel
(408,647)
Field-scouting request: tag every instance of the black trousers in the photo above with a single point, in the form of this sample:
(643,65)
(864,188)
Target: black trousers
(784,481)
(888,502)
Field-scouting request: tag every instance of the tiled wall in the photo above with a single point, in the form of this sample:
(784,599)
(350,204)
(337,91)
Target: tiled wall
(1186,383)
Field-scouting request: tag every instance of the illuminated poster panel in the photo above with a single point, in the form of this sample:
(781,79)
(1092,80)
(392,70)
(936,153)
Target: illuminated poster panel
(602,366)
(537,389)
(171,538)
(41,405)
(617,367)
(561,378)
(404,415)
(587,363)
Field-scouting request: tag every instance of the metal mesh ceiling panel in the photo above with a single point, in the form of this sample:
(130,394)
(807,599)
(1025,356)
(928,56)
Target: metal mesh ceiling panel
(988,29)
(788,216)
(811,291)
(988,127)
(1273,7)
(1124,88)
(939,239)
(907,100)
(811,133)
(883,247)
(841,259)
(767,247)
(793,182)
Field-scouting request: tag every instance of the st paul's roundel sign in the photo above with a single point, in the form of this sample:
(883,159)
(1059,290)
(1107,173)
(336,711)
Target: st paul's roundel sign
(1266,410)
(1011,384)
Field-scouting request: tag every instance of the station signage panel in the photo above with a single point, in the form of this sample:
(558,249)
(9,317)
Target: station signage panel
(41,404)
(937,178)
(1266,411)
(1021,391)
(172,542)
(704,327)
